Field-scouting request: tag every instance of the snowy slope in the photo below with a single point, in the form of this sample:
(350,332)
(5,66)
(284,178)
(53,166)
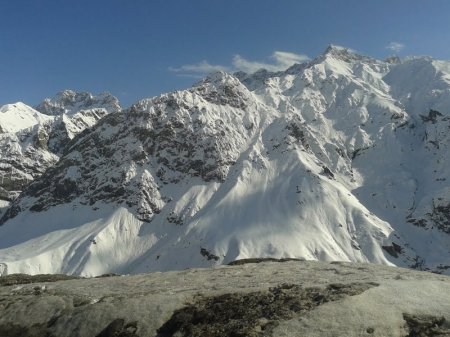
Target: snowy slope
(342,158)
(18,116)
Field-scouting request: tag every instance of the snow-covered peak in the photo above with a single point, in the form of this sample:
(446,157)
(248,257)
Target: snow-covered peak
(70,102)
(339,51)
(393,60)
(219,79)
(224,89)
(19,116)
(420,84)
(256,79)
(342,54)
(333,48)
(260,78)
(32,141)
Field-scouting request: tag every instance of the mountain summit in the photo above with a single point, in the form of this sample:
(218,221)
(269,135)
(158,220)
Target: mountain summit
(341,158)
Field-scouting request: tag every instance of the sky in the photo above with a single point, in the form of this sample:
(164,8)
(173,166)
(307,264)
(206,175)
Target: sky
(136,49)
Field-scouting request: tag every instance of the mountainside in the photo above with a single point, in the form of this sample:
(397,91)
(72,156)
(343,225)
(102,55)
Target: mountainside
(341,158)
(32,140)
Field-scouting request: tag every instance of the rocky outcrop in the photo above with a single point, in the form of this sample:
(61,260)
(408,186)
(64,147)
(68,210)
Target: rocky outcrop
(294,298)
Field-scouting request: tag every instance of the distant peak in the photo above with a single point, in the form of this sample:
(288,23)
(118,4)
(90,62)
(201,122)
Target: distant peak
(339,50)
(332,47)
(70,96)
(343,54)
(393,60)
(66,93)
(69,101)
(219,78)
(17,105)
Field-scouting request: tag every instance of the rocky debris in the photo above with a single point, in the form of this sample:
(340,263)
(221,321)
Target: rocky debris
(327,172)
(443,267)
(295,298)
(260,260)
(426,326)
(209,256)
(297,131)
(431,117)
(417,222)
(118,328)
(440,217)
(252,314)
(13,279)
(394,249)
(175,219)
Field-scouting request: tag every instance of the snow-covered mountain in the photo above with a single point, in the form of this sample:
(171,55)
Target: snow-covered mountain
(31,140)
(341,158)
(74,112)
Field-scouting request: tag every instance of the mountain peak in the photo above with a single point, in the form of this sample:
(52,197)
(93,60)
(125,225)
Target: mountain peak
(219,78)
(336,50)
(342,53)
(70,102)
(223,89)
(19,116)
(332,48)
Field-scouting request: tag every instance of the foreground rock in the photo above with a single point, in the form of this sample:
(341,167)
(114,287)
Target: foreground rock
(294,298)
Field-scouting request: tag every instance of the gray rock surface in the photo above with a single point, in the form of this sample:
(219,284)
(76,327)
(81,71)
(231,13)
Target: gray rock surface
(294,298)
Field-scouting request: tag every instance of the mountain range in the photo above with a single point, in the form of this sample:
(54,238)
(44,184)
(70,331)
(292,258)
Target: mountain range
(342,158)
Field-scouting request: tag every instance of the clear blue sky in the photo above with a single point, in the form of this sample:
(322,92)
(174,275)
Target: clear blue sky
(141,48)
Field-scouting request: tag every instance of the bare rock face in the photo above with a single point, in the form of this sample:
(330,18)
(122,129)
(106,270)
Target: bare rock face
(294,298)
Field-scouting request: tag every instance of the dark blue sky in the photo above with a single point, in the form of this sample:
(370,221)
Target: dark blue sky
(141,48)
